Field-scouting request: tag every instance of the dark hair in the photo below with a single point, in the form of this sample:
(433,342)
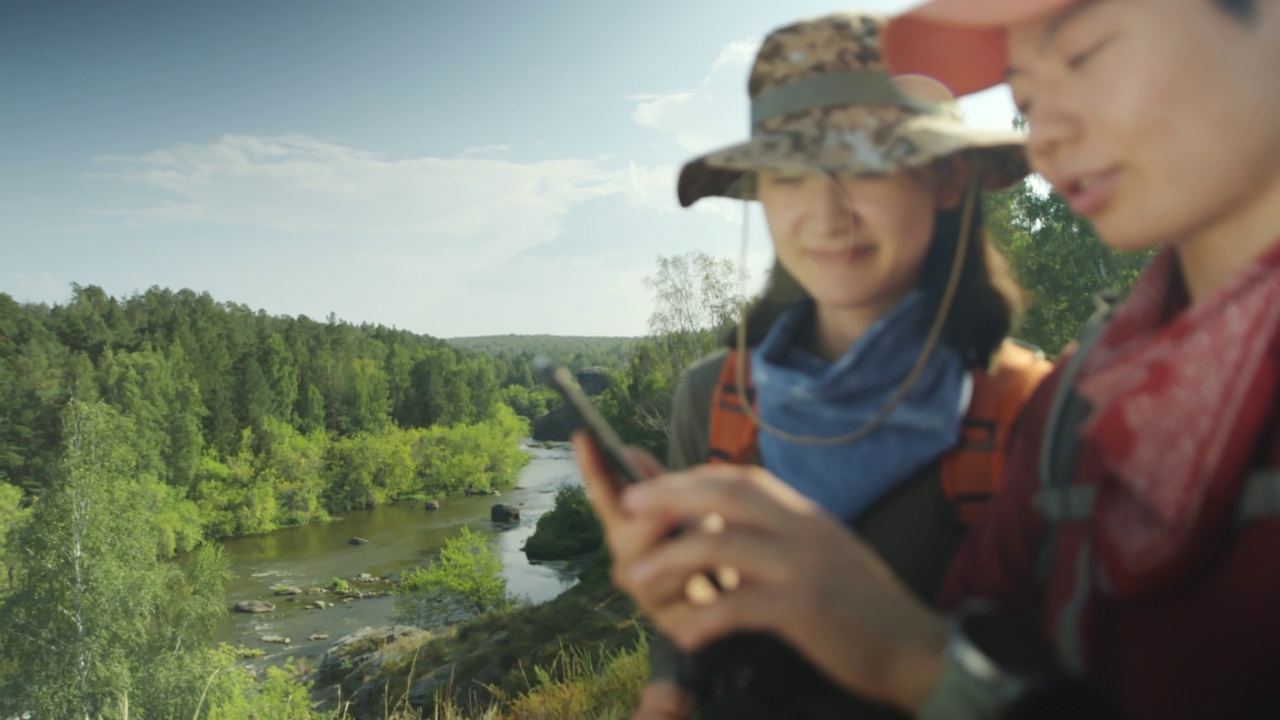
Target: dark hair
(987,302)
(1243,9)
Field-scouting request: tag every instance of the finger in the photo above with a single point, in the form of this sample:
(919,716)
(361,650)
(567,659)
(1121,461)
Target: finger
(632,537)
(602,490)
(754,609)
(660,576)
(664,700)
(646,463)
(743,496)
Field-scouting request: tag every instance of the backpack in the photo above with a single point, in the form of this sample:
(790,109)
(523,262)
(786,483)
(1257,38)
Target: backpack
(1059,500)
(757,676)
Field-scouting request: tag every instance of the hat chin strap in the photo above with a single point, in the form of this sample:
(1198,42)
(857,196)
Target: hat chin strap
(935,333)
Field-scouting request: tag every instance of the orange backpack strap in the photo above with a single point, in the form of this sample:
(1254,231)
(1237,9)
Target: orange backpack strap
(972,472)
(732,434)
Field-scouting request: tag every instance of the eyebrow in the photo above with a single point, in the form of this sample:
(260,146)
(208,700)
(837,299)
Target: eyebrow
(1054,26)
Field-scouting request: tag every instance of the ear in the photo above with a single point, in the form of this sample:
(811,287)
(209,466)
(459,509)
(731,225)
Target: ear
(950,174)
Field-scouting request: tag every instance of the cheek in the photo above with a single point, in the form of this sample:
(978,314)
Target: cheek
(906,226)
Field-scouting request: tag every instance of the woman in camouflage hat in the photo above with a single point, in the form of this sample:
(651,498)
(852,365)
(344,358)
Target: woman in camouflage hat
(886,309)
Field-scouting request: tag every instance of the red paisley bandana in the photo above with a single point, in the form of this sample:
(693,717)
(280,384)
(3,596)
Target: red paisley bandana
(1181,396)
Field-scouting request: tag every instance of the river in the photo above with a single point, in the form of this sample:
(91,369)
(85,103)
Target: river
(400,536)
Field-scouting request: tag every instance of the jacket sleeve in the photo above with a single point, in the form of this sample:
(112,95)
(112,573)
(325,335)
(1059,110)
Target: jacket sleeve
(999,558)
(687,446)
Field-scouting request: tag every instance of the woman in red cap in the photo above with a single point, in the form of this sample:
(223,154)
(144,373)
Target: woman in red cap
(1140,519)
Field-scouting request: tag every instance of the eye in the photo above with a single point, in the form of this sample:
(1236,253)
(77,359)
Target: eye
(1078,60)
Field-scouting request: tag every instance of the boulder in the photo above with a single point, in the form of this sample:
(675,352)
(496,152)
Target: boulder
(594,380)
(275,639)
(365,578)
(253,606)
(504,513)
(357,541)
(319,604)
(432,505)
(319,636)
(495,493)
(553,426)
(289,591)
(423,692)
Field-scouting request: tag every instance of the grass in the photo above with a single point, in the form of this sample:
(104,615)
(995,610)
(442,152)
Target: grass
(581,655)
(577,683)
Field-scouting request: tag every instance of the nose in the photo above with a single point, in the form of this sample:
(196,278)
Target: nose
(1052,127)
(833,211)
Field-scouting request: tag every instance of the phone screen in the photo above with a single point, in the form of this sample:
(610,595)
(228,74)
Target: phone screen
(611,447)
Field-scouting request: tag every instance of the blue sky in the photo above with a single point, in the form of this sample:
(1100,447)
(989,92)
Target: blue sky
(450,168)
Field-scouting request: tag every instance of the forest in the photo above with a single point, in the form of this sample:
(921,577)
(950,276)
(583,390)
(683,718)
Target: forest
(135,430)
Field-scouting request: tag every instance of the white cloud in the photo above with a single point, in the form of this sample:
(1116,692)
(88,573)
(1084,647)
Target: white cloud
(713,115)
(485,150)
(298,183)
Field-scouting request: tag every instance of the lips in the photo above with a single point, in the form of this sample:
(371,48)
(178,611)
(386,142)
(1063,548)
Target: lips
(1087,193)
(842,256)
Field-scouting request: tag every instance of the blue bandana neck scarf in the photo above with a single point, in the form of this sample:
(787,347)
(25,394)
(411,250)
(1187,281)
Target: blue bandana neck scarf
(804,395)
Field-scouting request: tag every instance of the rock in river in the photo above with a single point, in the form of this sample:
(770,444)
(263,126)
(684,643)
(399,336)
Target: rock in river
(253,606)
(504,513)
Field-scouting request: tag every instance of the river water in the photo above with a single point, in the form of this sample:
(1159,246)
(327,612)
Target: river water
(400,536)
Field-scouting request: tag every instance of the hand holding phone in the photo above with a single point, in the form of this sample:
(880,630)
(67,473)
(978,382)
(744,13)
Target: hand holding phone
(611,447)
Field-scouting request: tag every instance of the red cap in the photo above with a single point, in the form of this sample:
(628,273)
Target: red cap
(960,42)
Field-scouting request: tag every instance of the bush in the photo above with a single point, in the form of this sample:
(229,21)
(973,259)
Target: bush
(569,530)
(466,580)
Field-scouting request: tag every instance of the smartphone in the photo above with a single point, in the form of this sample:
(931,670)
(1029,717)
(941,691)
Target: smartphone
(611,447)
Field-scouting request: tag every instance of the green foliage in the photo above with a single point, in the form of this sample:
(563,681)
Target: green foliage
(97,621)
(339,585)
(1058,257)
(484,456)
(576,352)
(244,423)
(579,683)
(367,470)
(11,515)
(528,402)
(695,300)
(234,693)
(570,529)
(465,580)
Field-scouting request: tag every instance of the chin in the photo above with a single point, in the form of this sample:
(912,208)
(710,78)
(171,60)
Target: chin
(843,301)
(1130,237)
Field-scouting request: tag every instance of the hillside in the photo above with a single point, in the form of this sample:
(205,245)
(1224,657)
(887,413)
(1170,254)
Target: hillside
(574,350)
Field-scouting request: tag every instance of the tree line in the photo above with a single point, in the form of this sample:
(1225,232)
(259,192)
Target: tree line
(243,421)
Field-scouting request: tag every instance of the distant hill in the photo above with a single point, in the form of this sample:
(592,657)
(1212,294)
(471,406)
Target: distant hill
(575,351)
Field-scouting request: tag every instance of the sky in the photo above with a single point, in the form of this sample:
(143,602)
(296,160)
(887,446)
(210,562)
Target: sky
(453,169)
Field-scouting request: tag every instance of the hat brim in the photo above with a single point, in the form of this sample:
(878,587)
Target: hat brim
(959,42)
(729,172)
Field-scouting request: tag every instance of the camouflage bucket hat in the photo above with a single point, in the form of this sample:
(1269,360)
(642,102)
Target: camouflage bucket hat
(822,100)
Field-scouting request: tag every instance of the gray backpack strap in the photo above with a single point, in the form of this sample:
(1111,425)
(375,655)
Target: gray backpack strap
(1057,499)
(1259,498)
